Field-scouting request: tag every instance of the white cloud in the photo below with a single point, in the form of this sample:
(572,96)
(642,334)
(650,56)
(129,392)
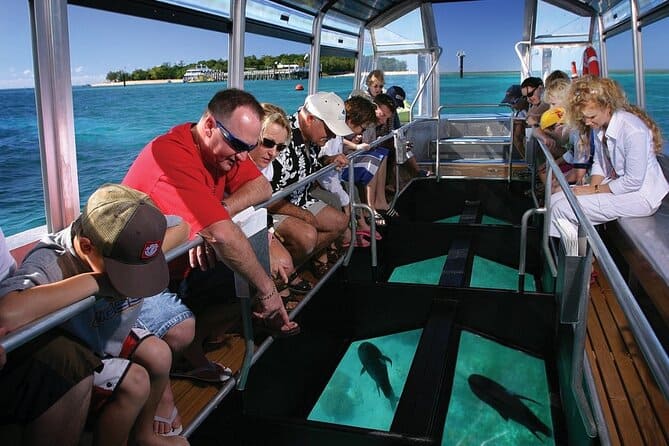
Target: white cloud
(79,69)
(27,72)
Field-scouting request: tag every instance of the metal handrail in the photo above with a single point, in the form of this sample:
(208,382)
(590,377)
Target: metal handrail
(24,334)
(427,78)
(29,331)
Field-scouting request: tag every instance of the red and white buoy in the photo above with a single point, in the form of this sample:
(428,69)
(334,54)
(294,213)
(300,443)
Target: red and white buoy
(574,70)
(299,87)
(590,62)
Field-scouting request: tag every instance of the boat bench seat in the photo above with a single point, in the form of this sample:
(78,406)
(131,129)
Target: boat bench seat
(644,243)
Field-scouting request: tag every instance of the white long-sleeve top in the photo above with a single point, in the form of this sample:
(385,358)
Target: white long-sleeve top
(629,144)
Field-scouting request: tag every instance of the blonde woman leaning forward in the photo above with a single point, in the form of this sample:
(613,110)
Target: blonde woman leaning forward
(626,179)
(275,137)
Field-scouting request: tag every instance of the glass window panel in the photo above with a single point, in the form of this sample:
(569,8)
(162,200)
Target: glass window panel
(648,5)
(405,33)
(216,7)
(545,60)
(340,22)
(616,14)
(556,25)
(276,15)
(21,196)
(338,40)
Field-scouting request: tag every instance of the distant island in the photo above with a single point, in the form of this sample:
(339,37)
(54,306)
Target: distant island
(330,65)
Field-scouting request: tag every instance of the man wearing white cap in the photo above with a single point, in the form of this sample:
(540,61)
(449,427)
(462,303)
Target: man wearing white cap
(307,224)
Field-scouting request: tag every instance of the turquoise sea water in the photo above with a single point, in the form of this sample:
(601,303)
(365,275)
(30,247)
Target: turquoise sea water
(112,124)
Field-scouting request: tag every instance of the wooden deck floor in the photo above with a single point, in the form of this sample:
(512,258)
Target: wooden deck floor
(634,408)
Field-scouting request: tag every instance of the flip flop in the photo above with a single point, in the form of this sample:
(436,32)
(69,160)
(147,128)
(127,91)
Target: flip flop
(175,430)
(213,372)
(392,212)
(367,234)
(301,287)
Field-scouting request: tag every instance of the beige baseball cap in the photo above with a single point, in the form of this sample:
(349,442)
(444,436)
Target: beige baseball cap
(128,230)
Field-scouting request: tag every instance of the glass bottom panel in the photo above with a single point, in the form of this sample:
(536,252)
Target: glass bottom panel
(500,396)
(366,385)
(485,274)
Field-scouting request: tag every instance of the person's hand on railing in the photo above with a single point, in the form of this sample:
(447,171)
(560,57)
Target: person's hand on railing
(202,256)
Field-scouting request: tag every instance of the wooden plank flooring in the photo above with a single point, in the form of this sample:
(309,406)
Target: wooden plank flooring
(634,408)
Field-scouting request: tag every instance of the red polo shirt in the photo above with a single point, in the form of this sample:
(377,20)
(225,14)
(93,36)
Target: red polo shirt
(171,171)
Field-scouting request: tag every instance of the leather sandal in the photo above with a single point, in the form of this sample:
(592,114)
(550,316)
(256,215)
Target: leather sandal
(301,286)
(318,268)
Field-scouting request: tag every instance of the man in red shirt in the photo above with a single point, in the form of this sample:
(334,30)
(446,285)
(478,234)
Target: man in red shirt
(192,168)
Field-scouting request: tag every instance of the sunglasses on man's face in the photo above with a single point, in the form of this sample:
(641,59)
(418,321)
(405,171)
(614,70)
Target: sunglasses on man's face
(330,134)
(237,144)
(270,143)
(530,93)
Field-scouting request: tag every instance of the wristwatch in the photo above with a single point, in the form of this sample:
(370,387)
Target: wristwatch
(596,188)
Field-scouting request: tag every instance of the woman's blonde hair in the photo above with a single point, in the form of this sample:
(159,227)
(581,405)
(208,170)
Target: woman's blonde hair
(558,91)
(605,93)
(375,74)
(275,115)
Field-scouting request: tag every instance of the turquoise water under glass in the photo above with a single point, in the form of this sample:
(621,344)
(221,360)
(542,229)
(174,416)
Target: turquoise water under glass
(473,421)
(352,398)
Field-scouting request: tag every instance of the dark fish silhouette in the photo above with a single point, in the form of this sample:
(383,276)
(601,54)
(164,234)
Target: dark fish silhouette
(374,363)
(507,404)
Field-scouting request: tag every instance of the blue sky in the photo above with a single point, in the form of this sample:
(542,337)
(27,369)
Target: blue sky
(102,42)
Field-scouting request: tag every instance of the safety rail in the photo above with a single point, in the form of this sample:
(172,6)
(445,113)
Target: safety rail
(29,331)
(497,140)
(588,238)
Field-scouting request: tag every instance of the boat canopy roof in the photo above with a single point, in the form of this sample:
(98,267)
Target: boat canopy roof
(343,21)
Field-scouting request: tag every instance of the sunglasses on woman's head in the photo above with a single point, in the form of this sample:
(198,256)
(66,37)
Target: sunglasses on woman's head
(270,143)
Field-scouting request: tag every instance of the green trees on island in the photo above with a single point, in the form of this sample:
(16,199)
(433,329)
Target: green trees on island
(329,65)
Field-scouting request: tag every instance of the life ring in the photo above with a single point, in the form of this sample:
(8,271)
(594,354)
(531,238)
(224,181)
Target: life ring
(590,62)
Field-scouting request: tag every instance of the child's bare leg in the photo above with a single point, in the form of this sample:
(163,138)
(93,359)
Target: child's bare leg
(118,416)
(155,356)
(379,196)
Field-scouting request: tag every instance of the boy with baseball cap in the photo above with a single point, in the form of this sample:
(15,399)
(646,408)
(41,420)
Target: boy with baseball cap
(114,251)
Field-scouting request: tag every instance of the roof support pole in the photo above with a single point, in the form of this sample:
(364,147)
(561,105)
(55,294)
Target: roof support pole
(638,55)
(236,44)
(55,113)
(315,54)
(603,58)
(358,60)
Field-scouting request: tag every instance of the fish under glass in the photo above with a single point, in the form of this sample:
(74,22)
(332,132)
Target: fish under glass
(364,389)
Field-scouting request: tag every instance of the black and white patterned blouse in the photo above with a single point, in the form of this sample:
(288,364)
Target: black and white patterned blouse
(294,163)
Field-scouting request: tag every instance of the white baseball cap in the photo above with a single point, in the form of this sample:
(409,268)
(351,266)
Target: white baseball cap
(330,109)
